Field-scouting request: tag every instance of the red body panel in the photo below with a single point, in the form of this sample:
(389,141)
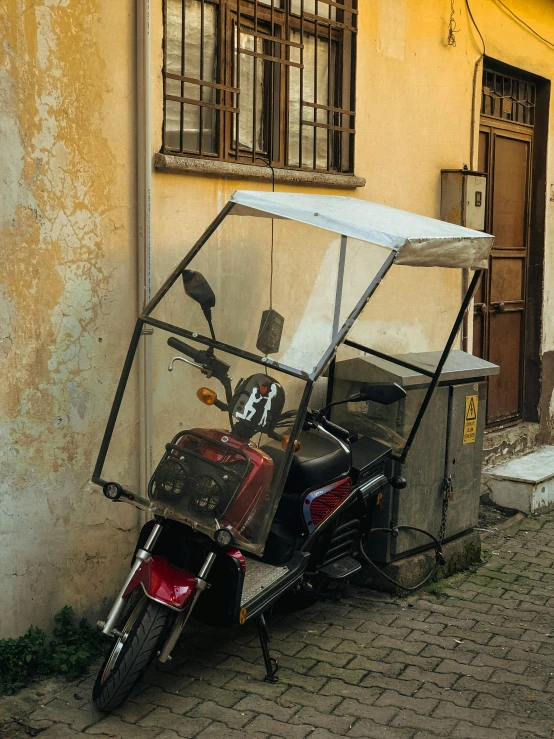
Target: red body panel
(249,500)
(164,582)
(239,556)
(168,584)
(319,504)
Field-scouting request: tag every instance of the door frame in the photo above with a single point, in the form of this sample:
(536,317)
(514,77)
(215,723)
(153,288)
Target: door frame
(533,287)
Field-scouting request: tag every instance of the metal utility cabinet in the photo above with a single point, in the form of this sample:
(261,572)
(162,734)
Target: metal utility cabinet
(463,196)
(449,443)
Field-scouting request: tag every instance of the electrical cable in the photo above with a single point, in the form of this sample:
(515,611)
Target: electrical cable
(270,160)
(394,582)
(439,557)
(270,165)
(523,23)
(476,27)
(272,168)
(272,247)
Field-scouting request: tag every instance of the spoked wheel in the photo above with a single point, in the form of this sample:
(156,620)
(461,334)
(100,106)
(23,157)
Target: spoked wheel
(144,624)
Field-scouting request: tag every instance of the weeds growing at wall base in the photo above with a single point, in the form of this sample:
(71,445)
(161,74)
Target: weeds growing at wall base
(69,652)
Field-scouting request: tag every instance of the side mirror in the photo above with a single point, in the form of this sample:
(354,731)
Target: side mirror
(384,393)
(197,288)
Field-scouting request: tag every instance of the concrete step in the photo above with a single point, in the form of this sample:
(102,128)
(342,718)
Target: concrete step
(526,483)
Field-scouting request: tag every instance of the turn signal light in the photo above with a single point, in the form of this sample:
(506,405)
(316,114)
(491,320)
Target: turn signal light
(285,442)
(206,396)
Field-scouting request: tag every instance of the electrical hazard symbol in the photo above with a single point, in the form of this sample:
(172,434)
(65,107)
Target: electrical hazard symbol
(470,419)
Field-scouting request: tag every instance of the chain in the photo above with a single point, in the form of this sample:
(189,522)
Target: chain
(447,495)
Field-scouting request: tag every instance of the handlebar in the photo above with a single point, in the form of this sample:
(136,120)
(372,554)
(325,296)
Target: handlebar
(207,362)
(334,429)
(195,354)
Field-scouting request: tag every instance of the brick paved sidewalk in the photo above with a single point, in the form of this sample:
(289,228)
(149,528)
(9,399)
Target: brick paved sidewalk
(471,658)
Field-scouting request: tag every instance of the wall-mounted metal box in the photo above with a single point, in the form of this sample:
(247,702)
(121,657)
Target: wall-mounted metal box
(463,195)
(449,442)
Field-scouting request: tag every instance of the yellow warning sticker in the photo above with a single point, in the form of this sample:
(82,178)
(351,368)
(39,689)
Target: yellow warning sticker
(470,419)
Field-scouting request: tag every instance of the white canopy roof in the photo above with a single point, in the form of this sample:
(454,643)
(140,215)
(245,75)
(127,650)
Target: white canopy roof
(418,240)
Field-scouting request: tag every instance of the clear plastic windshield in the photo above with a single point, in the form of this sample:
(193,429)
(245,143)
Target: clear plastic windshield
(386,326)
(259,305)
(310,278)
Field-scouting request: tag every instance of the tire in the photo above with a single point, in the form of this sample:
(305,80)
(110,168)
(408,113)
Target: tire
(129,658)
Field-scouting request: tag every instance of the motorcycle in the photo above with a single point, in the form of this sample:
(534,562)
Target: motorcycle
(274,503)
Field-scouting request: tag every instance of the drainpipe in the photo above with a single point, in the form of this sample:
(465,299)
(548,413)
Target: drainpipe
(473,166)
(144,235)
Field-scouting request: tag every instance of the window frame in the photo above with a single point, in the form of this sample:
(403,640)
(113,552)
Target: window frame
(336,117)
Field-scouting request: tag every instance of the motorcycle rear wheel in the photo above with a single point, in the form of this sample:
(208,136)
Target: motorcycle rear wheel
(130,655)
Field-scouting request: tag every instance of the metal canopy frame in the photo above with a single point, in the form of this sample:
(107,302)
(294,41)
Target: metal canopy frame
(339,338)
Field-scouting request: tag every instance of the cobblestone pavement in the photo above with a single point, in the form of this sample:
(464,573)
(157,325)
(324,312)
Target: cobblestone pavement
(473,657)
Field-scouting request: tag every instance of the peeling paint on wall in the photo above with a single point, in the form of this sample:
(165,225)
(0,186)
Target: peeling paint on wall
(56,292)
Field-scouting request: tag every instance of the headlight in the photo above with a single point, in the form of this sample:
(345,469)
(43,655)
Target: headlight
(206,502)
(112,490)
(223,537)
(207,493)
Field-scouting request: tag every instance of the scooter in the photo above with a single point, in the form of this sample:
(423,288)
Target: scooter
(277,502)
(327,503)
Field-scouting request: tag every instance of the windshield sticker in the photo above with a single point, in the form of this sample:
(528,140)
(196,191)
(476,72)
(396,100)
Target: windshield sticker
(250,409)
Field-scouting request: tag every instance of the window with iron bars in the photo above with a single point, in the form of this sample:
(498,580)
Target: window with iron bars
(261,81)
(508,98)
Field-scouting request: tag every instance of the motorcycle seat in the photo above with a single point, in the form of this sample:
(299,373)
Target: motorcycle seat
(320,460)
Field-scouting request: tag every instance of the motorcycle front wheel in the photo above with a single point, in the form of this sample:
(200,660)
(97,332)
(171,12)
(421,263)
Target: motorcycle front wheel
(144,624)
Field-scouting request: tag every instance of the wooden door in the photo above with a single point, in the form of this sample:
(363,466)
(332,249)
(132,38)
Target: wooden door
(505,154)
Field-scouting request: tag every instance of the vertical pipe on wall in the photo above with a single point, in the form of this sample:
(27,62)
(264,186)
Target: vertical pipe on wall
(475,112)
(467,330)
(144,234)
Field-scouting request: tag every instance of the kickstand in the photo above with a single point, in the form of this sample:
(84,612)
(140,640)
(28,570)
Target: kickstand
(271,665)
